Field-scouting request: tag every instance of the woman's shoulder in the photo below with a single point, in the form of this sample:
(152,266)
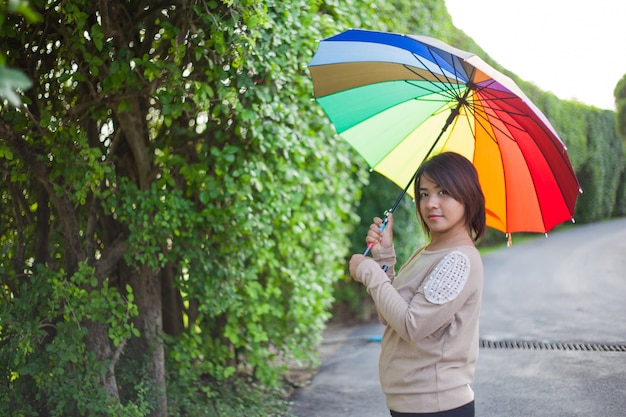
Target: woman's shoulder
(456,269)
(468,250)
(463,253)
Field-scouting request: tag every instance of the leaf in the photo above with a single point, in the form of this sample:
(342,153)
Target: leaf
(12,80)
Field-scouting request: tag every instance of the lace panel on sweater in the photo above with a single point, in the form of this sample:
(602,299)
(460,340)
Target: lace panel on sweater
(448,278)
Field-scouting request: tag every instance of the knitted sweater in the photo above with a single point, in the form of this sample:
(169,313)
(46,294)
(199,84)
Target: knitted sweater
(430,310)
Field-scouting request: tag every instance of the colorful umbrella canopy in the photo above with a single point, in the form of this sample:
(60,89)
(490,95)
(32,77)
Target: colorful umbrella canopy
(398,99)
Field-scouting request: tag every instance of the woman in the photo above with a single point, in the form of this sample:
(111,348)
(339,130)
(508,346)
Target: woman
(431,307)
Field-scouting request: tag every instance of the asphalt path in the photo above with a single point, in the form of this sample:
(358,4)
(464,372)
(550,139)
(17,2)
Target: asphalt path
(553,328)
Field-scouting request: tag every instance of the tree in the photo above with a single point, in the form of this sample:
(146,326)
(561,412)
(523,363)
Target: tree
(620,127)
(620,102)
(175,208)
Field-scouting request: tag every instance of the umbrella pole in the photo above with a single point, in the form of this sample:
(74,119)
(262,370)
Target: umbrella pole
(453,113)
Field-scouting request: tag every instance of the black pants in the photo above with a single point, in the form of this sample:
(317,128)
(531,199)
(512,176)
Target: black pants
(466,410)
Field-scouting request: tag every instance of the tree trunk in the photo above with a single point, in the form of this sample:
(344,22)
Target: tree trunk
(172,303)
(98,342)
(150,321)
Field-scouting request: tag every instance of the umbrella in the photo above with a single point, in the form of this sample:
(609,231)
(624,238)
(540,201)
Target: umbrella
(398,99)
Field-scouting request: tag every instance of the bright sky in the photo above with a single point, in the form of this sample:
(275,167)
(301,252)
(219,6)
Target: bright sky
(575,49)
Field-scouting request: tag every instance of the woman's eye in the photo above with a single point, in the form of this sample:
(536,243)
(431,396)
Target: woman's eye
(422,195)
(443,192)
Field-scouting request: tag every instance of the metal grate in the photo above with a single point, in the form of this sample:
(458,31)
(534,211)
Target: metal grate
(533,345)
(508,344)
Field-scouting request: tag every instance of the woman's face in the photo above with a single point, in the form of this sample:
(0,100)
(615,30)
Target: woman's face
(441,213)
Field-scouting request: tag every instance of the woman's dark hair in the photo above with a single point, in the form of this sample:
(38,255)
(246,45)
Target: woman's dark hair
(456,174)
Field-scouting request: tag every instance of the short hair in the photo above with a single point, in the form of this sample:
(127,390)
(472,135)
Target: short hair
(458,175)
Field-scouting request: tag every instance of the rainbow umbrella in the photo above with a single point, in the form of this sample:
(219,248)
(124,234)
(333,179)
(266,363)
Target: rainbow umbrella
(398,99)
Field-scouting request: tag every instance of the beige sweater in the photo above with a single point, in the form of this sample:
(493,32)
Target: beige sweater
(430,310)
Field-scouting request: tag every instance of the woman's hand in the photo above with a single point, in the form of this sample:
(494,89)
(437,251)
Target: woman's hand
(355,261)
(377,238)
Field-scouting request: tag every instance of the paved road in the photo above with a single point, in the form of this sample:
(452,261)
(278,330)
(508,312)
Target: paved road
(568,288)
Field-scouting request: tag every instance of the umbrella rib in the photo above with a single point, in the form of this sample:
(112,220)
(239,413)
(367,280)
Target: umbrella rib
(472,106)
(516,113)
(448,92)
(487,99)
(484,103)
(445,92)
(485,124)
(451,92)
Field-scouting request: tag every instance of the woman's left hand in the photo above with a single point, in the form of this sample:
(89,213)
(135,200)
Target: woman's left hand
(355,261)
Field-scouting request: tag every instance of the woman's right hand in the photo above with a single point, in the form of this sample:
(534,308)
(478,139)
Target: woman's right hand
(380,239)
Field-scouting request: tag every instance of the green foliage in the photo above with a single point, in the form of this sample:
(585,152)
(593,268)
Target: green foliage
(233,397)
(601,173)
(275,209)
(62,375)
(620,123)
(244,198)
(156,220)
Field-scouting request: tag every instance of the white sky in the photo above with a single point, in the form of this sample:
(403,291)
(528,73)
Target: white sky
(575,49)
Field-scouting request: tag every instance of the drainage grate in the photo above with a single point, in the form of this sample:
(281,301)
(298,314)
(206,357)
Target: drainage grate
(531,345)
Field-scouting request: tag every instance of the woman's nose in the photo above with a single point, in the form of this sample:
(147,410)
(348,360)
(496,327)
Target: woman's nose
(433,201)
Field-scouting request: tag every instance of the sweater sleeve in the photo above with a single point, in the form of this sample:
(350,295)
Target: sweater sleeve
(386,257)
(370,274)
(418,318)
